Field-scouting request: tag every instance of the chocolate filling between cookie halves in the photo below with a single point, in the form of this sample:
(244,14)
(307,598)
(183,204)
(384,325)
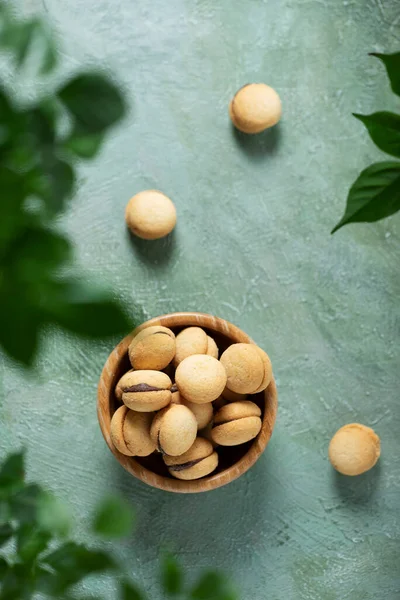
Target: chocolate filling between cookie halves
(187,465)
(143,387)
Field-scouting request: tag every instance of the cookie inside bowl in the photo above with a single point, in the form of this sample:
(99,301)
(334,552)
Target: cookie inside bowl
(233,460)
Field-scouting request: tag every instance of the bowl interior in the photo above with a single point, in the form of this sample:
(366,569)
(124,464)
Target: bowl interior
(233,461)
(227,456)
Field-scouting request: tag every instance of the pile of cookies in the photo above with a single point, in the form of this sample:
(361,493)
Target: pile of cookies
(180,400)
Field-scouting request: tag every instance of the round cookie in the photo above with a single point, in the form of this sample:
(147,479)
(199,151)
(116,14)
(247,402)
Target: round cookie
(192,340)
(150,215)
(236,423)
(200,378)
(146,391)
(354,449)
(203,412)
(199,461)
(174,430)
(212,348)
(255,107)
(267,370)
(130,432)
(121,384)
(230,396)
(244,367)
(152,348)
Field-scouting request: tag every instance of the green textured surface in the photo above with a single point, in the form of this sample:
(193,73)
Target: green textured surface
(253,246)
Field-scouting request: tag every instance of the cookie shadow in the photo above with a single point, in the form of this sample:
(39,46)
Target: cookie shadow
(359,490)
(260,145)
(155,253)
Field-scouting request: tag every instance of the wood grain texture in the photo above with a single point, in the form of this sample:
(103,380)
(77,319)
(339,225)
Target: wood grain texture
(116,365)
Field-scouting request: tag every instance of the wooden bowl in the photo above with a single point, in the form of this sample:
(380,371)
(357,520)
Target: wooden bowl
(234,461)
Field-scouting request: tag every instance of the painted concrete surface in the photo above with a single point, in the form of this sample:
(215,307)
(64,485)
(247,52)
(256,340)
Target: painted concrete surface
(253,246)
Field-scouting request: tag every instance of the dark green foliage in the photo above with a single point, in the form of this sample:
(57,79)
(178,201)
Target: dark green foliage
(376,192)
(114,518)
(39,562)
(37,163)
(172,576)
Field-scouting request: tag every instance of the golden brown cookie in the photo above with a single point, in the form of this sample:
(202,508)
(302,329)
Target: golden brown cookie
(244,367)
(203,412)
(212,348)
(152,348)
(130,432)
(230,396)
(150,215)
(199,461)
(200,378)
(121,384)
(236,423)
(146,391)
(354,449)
(255,107)
(174,430)
(192,340)
(267,370)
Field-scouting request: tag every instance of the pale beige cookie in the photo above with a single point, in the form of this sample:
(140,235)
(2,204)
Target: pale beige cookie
(152,348)
(192,340)
(146,391)
(244,367)
(130,432)
(200,378)
(255,107)
(150,215)
(354,449)
(203,412)
(212,348)
(199,461)
(174,430)
(230,396)
(236,423)
(267,370)
(121,384)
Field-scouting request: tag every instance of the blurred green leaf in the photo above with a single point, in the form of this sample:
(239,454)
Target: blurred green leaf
(19,320)
(53,515)
(31,541)
(374,195)
(384,130)
(4,566)
(114,518)
(85,310)
(392,64)
(25,502)
(39,252)
(27,38)
(95,103)
(13,195)
(213,586)
(73,562)
(59,181)
(171,575)
(18,582)
(84,145)
(12,474)
(129,591)
(6,532)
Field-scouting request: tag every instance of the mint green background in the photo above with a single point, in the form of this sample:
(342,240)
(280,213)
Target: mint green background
(252,245)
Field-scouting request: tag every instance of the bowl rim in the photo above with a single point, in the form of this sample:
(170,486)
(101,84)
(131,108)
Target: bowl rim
(213,481)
